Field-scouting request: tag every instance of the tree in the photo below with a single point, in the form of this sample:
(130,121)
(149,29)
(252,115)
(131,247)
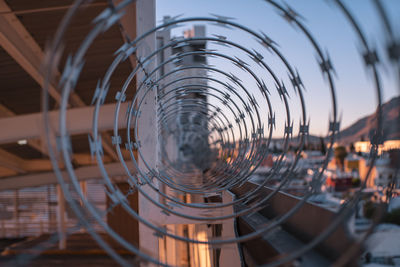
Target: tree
(340,155)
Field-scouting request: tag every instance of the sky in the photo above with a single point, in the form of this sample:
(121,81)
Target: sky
(356,97)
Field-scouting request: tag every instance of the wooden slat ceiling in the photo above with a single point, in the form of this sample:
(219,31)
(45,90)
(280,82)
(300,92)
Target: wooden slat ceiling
(21,94)
(25,152)
(99,56)
(24,5)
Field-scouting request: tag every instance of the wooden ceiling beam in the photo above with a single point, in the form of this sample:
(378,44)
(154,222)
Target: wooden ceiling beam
(49,9)
(34,143)
(5,112)
(128,29)
(21,46)
(30,126)
(17,165)
(40,179)
(12,162)
(11,165)
(9,160)
(5,172)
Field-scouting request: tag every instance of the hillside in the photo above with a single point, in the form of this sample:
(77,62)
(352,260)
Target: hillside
(362,128)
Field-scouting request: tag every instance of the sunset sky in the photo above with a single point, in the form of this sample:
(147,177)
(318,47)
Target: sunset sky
(356,96)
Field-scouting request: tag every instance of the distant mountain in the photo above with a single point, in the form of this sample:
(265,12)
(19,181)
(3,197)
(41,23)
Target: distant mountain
(362,128)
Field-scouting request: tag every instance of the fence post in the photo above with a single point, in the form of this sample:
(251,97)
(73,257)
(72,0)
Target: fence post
(41,227)
(62,244)
(16,212)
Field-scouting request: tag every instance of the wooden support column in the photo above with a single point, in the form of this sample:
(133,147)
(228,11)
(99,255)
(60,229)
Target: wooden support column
(50,218)
(83,185)
(61,224)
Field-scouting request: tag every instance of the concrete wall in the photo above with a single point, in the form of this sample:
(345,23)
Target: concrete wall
(305,224)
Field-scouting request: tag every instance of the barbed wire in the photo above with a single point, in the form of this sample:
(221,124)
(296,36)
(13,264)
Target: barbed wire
(213,131)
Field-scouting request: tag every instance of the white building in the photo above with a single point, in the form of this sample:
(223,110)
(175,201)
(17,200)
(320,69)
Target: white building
(185,134)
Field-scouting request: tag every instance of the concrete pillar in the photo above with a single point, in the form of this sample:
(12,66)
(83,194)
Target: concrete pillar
(145,18)
(230,256)
(165,249)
